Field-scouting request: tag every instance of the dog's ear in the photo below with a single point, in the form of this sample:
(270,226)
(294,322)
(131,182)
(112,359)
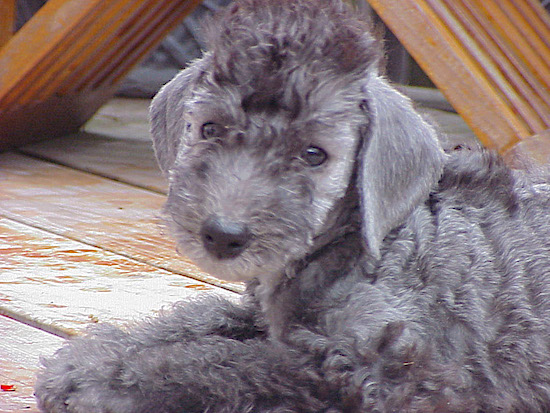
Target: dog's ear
(167,114)
(400,161)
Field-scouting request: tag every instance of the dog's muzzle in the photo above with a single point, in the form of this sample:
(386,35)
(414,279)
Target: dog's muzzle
(223,238)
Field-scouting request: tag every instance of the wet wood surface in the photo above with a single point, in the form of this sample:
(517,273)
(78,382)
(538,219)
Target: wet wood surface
(20,349)
(91,209)
(62,285)
(82,242)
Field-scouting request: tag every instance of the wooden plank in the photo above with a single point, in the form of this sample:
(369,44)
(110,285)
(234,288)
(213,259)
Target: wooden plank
(130,161)
(122,118)
(94,49)
(63,33)
(518,34)
(7,22)
(506,49)
(52,31)
(115,143)
(19,354)
(495,48)
(455,61)
(538,20)
(66,61)
(63,286)
(93,210)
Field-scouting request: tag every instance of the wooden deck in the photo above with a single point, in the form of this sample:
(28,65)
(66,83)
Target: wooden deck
(81,240)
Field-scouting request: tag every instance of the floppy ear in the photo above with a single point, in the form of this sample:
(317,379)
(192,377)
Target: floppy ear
(167,114)
(400,161)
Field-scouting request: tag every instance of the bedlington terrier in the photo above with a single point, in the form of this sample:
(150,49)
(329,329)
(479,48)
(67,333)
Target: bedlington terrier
(383,273)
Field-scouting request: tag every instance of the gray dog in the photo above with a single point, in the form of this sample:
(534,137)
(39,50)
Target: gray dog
(384,274)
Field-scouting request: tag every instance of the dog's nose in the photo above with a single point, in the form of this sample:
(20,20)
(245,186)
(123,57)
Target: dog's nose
(223,238)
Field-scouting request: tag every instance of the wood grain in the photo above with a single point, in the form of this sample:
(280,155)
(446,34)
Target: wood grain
(63,286)
(58,69)
(93,210)
(125,160)
(19,354)
(490,58)
(7,22)
(122,118)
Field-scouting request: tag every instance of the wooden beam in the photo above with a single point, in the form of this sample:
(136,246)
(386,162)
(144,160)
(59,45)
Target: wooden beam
(7,20)
(67,60)
(490,58)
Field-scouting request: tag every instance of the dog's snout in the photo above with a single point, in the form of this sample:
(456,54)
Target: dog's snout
(223,238)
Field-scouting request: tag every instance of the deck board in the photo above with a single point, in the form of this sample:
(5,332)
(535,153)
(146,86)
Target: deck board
(19,354)
(131,160)
(115,144)
(122,118)
(63,286)
(93,210)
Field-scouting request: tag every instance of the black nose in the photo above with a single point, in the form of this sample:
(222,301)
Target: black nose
(223,238)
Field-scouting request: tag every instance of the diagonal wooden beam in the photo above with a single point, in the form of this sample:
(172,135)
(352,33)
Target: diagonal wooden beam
(490,58)
(7,22)
(67,60)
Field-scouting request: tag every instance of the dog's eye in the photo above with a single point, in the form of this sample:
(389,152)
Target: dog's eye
(314,156)
(211,130)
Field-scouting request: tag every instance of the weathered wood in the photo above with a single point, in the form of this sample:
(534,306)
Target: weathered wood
(7,20)
(19,353)
(115,143)
(490,58)
(126,160)
(93,210)
(66,61)
(122,118)
(62,286)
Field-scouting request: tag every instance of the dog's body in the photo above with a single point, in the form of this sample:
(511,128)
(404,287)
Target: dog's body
(383,274)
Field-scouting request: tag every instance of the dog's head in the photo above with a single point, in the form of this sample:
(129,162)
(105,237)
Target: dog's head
(263,138)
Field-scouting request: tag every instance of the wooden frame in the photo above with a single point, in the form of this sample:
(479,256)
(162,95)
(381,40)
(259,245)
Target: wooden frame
(67,60)
(7,22)
(490,58)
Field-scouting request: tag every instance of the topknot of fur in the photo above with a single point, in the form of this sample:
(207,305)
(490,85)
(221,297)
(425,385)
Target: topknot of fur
(272,38)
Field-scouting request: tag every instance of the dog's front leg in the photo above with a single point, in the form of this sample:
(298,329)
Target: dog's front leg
(101,372)
(202,356)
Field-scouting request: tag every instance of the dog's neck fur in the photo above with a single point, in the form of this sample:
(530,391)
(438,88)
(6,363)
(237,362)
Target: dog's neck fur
(283,297)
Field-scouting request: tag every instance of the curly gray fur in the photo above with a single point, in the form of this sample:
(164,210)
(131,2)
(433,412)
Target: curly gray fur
(383,273)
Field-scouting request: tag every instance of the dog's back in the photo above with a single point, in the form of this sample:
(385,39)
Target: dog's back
(471,270)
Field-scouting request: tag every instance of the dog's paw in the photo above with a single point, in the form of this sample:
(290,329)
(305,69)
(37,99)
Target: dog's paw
(63,387)
(85,375)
